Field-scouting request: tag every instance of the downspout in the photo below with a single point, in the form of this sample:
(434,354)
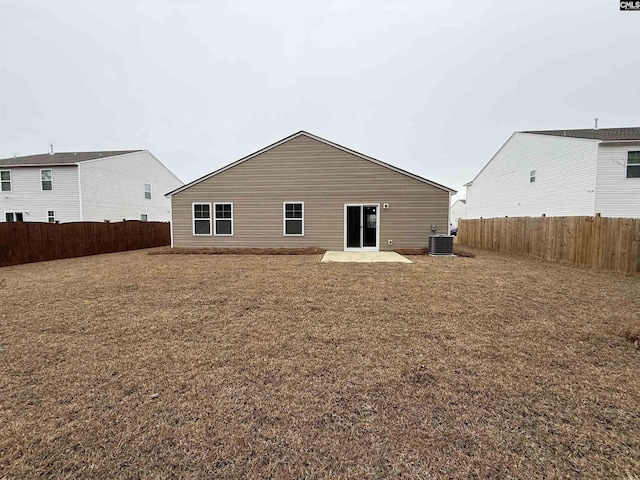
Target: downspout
(171,221)
(448,231)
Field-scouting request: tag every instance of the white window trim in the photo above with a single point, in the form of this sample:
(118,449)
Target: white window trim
(284,220)
(4,215)
(41,180)
(54,216)
(215,229)
(10,182)
(193,218)
(626,168)
(533,174)
(144,188)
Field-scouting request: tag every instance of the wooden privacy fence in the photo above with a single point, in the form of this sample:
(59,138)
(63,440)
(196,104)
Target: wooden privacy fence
(35,242)
(607,243)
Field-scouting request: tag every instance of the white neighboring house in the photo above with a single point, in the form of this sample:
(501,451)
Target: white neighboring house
(85,186)
(458,211)
(561,173)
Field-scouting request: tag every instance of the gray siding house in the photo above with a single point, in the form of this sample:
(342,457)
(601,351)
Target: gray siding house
(305,191)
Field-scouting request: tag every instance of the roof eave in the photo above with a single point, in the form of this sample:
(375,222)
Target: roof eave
(22,165)
(620,142)
(567,137)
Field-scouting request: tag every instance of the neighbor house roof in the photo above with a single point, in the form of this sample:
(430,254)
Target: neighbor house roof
(319,139)
(62,158)
(604,134)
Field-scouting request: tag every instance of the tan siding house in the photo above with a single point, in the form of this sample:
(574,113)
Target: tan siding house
(305,191)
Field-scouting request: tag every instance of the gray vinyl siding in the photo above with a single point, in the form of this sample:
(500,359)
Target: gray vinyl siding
(325,178)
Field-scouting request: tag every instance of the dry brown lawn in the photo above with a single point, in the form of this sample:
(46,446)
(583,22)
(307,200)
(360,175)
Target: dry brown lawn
(132,365)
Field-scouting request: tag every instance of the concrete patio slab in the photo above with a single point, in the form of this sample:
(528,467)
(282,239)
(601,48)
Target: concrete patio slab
(364,257)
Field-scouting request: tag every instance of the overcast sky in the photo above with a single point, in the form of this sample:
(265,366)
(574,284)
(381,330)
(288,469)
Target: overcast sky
(432,87)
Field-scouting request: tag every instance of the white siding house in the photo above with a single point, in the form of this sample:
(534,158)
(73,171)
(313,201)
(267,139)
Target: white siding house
(22,194)
(85,186)
(458,211)
(617,195)
(560,173)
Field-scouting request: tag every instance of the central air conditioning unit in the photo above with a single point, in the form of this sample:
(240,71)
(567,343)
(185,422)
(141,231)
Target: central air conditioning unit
(440,245)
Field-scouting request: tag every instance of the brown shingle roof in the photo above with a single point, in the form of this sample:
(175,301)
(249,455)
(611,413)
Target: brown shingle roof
(62,158)
(604,134)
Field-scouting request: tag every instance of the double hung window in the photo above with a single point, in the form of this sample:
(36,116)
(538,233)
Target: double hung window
(223,219)
(293,218)
(633,165)
(202,219)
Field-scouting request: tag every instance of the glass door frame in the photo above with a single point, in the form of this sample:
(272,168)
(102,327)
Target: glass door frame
(362,220)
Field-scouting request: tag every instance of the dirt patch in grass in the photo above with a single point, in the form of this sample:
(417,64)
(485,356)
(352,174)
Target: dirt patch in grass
(425,251)
(460,252)
(412,251)
(149,366)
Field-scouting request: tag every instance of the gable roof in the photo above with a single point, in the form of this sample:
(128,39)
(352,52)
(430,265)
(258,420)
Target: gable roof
(604,134)
(319,139)
(62,158)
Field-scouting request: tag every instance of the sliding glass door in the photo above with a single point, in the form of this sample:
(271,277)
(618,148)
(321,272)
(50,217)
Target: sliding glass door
(361,227)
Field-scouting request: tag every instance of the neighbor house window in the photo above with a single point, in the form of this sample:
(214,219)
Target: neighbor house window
(532,176)
(202,219)
(294,218)
(46,179)
(51,216)
(5,180)
(13,217)
(633,165)
(224,219)
(143,217)
(147,191)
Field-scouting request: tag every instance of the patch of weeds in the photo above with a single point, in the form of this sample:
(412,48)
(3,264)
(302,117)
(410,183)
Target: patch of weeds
(421,376)
(632,333)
